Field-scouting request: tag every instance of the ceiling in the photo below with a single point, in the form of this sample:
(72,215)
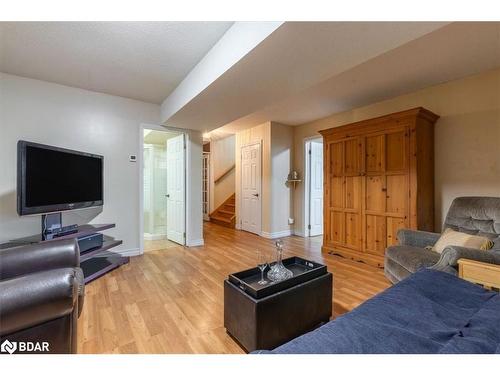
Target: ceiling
(291,72)
(454,51)
(293,58)
(138,60)
(158,137)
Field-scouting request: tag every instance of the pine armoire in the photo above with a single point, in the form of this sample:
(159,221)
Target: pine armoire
(378,178)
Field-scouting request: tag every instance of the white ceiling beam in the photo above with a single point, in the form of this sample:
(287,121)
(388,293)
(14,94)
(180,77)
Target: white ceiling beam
(292,58)
(240,39)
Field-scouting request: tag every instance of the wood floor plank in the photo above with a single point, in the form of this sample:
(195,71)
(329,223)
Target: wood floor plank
(170,300)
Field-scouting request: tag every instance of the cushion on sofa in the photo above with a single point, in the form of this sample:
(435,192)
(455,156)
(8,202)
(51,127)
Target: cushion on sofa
(451,237)
(412,258)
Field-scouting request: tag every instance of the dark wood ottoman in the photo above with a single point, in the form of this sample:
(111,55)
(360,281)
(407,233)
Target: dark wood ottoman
(270,321)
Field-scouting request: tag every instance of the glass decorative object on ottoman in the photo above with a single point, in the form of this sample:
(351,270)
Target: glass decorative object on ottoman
(278,271)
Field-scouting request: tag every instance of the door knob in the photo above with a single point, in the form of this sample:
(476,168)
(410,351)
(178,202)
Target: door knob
(168,195)
(255,195)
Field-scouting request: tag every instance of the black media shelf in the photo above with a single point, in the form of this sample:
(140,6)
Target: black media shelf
(82,230)
(106,245)
(96,267)
(94,262)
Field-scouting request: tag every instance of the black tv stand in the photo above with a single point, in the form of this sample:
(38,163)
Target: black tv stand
(52,226)
(95,262)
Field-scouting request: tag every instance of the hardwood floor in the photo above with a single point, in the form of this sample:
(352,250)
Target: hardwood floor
(153,245)
(171,300)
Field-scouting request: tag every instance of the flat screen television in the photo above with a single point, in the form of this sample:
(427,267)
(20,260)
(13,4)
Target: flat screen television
(52,179)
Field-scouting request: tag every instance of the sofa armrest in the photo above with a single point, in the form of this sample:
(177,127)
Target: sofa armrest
(417,238)
(22,260)
(36,298)
(448,261)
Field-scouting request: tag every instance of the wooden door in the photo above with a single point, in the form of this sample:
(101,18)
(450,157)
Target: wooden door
(397,182)
(344,168)
(386,198)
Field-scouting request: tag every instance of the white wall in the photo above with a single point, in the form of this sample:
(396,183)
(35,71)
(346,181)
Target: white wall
(281,194)
(194,199)
(77,119)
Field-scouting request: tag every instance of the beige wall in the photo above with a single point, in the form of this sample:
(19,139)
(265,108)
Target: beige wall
(467,137)
(222,156)
(277,154)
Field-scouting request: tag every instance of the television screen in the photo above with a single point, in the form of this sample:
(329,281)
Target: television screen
(52,179)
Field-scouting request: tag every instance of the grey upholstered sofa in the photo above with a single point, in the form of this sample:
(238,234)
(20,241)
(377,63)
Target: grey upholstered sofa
(474,215)
(41,294)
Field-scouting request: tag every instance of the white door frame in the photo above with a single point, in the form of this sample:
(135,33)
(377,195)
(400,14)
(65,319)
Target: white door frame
(140,160)
(206,217)
(307,180)
(241,183)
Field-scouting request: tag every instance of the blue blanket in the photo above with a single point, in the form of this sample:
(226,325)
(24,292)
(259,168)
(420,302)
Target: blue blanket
(429,312)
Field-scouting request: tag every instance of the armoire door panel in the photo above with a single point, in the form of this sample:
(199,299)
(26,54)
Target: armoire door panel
(337,192)
(375,193)
(353,157)
(375,153)
(397,194)
(353,230)
(337,226)
(376,234)
(396,151)
(336,158)
(393,225)
(353,192)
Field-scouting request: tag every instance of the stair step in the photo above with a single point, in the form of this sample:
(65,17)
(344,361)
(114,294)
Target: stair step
(225,214)
(220,218)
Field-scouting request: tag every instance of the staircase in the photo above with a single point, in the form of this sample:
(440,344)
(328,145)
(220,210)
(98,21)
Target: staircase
(225,214)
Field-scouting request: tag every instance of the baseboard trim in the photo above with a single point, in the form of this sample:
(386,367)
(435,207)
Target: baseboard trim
(274,235)
(193,243)
(299,233)
(154,237)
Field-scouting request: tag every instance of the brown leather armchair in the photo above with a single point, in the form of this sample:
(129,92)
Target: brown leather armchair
(41,295)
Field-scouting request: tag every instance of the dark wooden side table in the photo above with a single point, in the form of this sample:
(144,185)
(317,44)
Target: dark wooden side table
(270,321)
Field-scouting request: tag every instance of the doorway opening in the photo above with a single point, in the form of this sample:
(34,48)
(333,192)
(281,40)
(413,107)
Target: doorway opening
(163,189)
(313,197)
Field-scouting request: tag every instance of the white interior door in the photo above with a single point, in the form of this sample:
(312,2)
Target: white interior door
(316,189)
(251,175)
(176,223)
